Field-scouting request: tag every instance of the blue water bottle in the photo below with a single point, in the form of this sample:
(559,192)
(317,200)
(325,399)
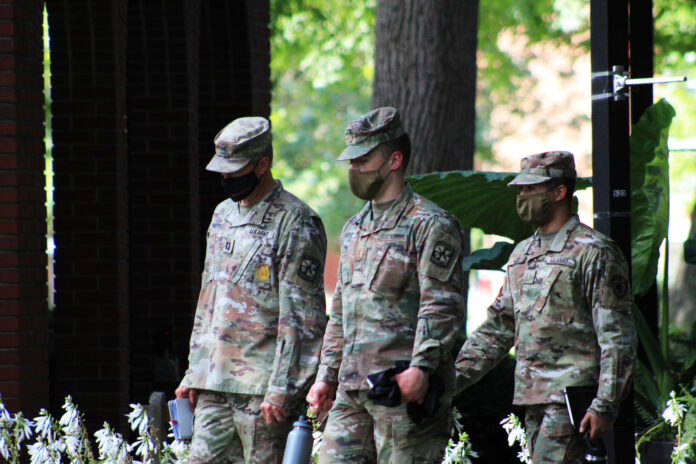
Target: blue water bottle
(298,448)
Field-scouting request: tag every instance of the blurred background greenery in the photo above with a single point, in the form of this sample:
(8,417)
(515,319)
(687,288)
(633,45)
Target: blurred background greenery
(322,70)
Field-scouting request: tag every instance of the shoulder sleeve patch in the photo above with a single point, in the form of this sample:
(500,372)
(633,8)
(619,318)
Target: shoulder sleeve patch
(309,268)
(442,254)
(439,258)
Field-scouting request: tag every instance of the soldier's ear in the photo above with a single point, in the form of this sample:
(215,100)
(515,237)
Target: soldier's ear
(263,166)
(559,193)
(397,159)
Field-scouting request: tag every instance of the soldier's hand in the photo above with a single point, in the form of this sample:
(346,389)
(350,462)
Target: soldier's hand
(272,413)
(597,425)
(321,396)
(184,392)
(413,383)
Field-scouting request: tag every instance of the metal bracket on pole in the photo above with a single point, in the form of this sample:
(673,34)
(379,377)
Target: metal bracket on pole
(621,82)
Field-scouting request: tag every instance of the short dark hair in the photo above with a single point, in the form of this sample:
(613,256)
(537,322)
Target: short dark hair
(268,153)
(569,185)
(402,144)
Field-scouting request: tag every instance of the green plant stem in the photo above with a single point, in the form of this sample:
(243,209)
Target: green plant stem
(645,437)
(664,319)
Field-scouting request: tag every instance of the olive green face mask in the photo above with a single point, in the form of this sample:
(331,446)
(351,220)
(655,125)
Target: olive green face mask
(366,185)
(533,208)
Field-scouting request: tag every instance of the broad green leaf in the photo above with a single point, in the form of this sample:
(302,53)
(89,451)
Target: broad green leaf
(657,362)
(649,192)
(493,258)
(479,199)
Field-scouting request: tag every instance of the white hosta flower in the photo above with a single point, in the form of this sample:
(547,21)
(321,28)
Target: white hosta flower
(39,453)
(4,448)
(180,449)
(23,427)
(5,415)
(43,425)
(138,418)
(73,444)
(460,452)
(517,434)
(70,421)
(675,411)
(680,453)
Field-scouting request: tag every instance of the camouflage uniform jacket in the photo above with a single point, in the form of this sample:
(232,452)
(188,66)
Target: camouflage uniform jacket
(567,310)
(261,310)
(399,293)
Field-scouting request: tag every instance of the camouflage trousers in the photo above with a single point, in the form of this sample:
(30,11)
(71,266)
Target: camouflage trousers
(551,437)
(359,431)
(229,428)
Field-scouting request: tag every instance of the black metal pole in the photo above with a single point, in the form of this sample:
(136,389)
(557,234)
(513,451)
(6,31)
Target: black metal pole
(611,163)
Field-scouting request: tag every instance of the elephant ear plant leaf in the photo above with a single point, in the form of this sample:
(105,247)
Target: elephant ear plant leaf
(649,192)
(480,199)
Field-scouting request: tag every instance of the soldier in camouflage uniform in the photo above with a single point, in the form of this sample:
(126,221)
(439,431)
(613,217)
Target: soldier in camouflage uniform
(261,311)
(565,305)
(398,298)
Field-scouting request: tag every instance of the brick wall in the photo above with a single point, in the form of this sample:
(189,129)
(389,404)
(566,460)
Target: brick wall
(234,79)
(88,53)
(163,175)
(23,295)
(131,207)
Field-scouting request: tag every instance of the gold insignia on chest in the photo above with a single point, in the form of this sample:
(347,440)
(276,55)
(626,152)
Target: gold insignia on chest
(263,273)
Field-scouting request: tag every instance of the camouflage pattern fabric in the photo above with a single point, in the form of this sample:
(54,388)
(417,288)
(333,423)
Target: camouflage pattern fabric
(229,428)
(398,296)
(551,437)
(567,310)
(358,430)
(261,311)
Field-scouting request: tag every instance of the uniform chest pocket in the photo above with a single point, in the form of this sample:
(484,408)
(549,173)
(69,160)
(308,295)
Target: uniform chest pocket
(536,287)
(244,264)
(389,272)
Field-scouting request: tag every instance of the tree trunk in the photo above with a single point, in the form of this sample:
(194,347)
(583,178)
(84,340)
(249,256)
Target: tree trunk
(425,65)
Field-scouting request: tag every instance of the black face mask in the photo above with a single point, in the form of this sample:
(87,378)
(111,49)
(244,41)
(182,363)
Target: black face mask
(238,188)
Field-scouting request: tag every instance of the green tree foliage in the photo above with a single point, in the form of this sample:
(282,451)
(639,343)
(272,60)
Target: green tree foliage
(321,67)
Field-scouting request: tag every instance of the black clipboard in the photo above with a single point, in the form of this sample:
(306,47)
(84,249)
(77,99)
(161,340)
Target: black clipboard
(578,400)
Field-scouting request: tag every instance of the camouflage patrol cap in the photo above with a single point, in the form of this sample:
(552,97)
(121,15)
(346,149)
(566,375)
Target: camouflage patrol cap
(241,141)
(542,167)
(365,133)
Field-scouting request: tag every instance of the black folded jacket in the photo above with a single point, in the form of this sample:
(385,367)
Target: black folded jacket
(386,392)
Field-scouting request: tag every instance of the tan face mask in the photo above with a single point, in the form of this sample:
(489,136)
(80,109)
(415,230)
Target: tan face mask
(367,184)
(533,208)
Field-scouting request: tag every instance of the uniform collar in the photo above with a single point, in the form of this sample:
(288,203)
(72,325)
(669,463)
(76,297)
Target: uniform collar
(559,241)
(258,210)
(389,218)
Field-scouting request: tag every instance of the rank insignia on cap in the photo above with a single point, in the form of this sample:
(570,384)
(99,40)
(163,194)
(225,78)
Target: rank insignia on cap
(620,286)
(442,254)
(309,267)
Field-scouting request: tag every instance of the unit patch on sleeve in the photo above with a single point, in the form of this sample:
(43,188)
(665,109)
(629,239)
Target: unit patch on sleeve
(309,268)
(620,286)
(442,254)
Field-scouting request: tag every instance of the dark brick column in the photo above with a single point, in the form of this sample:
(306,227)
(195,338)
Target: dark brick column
(24,379)
(88,57)
(235,79)
(163,41)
